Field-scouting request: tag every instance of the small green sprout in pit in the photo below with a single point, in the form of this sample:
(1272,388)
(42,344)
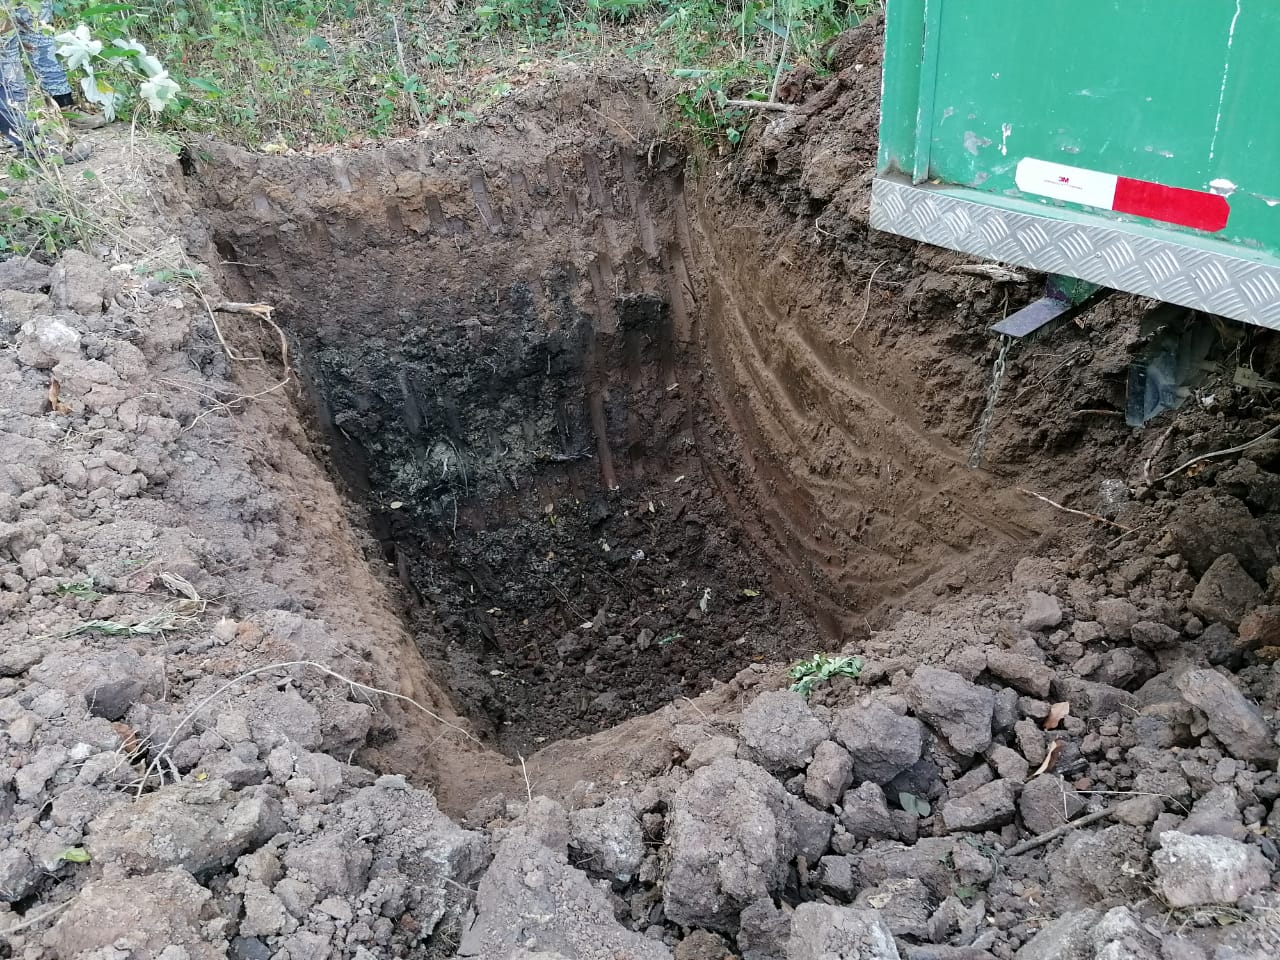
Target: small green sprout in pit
(822,666)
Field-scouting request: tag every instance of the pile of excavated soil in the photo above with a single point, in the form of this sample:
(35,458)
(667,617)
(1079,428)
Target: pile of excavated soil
(576,443)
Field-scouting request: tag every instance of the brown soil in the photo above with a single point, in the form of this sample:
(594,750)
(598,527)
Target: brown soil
(622,420)
(580,397)
(618,433)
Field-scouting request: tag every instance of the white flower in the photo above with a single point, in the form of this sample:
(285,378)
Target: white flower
(159,91)
(96,90)
(149,65)
(78,47)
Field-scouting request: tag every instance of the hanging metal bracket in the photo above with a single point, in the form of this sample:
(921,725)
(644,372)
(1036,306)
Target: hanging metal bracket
(1062,295)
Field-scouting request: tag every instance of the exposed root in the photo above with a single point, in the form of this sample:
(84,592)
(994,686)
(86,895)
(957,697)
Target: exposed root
(1241,448)
(264,312)
(1079,513)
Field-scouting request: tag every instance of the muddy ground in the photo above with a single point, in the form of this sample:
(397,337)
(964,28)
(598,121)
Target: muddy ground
(445,612)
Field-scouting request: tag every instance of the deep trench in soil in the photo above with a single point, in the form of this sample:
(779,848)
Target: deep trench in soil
(570,397)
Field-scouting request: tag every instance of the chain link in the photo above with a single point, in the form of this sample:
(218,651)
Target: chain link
(993,395)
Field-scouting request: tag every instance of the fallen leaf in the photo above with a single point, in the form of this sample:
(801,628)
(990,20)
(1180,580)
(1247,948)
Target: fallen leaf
(55,402)
(75,855)
(1050,758)
(1057,713)
(129,741)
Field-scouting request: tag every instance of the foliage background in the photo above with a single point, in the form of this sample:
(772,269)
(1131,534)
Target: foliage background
(332,71)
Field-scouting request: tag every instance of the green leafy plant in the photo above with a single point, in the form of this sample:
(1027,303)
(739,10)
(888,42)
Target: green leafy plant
(822,667)
(80,589)
(914,805)
(278,75)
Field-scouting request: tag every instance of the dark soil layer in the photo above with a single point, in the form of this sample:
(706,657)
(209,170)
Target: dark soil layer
(514,394)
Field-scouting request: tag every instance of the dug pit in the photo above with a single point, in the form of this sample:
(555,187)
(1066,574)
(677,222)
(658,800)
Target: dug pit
(612,433)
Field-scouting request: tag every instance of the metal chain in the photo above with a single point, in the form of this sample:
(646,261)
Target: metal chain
(993,395)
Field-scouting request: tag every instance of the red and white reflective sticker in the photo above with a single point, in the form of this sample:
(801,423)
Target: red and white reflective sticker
(1197,209)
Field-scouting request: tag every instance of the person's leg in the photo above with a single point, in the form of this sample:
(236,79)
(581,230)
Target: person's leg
(41,47)
(14,125)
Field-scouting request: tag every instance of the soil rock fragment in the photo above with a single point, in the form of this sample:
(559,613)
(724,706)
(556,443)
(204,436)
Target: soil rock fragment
(1225,592)
(81,283)
(733,831)
(820,931)
(143,916)
(828,775)
(866,814)
(1194,871)
(1204,526)
(959,710)
(1025,674)
(197,826)
(609,837)
(1067,938)
(530,898)
(1048,801)
(780,732)
(1116,617)
(987,808)
(881,743)
(1234,720)
(1043,612)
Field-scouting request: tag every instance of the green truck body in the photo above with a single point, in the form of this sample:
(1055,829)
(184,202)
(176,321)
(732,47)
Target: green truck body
(1130,143)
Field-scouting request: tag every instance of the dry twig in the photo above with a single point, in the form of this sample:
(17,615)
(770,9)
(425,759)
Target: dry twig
(528,787)
(992,271)
(39,918)
(1056,832)
(767,105)
(1218,453)
(1079,513)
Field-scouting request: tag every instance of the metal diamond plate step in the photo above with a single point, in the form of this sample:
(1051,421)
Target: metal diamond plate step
(1106,254)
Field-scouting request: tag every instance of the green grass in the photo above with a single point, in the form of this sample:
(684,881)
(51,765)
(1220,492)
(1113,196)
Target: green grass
(330,71)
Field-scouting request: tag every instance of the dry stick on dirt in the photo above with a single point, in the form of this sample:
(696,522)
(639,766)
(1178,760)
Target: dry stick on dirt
(1079,513)
(616,123)
(1218,453)
(1057,832)
(32,921)
(768,105)
(782,56)
(991,271)
(217,329)
(155,765)
(528,787)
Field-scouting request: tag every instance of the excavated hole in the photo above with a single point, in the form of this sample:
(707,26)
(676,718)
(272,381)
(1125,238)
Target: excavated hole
(591,434)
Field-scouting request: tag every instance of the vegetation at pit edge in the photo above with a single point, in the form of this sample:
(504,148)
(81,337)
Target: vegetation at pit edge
(276,75)
(279,74)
